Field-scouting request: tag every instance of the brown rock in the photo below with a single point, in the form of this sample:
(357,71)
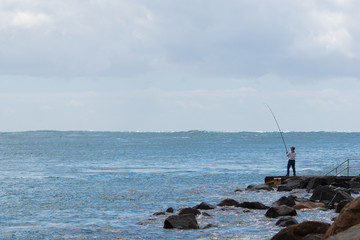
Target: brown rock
(299,231)
(309,205)
(348,217)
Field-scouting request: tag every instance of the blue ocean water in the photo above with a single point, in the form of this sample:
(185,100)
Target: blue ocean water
(107,185)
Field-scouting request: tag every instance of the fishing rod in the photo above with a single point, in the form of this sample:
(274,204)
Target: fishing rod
(278,127)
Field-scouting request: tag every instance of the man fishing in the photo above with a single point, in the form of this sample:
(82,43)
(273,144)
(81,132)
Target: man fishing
(291,163)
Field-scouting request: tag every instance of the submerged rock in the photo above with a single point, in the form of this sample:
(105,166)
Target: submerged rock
(186,221)
(286,221)
(259,187)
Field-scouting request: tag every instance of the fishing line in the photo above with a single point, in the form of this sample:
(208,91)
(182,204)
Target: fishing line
(278,127)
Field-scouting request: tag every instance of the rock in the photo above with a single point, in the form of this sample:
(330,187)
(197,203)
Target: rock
(228,202)
(299,231)
(170,210)
(323,194)
(309,205)
(315,182)
(252,205)
(259,187)
(284,188)
(205,214)
(159,213)
(296,182)
(313,237)
(351,233)
(204,206)
(286,221)
(210,226)
(354,184)
(341,205)
(348,217)
(186,221)
(340,196)
(288,201)
(282,210)
(193,211)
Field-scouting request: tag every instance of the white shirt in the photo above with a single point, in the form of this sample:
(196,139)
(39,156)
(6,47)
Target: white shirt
(291,155)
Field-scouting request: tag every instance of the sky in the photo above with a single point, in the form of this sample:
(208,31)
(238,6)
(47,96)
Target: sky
(179,65)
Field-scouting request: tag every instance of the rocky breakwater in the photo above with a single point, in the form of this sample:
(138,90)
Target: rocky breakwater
(324,193)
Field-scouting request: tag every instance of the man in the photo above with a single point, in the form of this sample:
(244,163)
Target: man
(291,163)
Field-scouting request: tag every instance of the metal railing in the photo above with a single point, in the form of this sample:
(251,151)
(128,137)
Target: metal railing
(344,166)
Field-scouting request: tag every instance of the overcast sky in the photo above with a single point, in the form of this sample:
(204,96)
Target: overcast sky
(177,65)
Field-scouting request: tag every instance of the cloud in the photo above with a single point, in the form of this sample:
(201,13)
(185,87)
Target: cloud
(155,39)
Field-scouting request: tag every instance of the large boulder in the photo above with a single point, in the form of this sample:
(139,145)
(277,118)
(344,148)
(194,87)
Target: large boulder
(309,205)
(252,205)
(340,196)
(282,210)
(323,194)
(315,182)
(352,233)
(348,217)
(228,202)
(288,201)
(186,221)
(299,231)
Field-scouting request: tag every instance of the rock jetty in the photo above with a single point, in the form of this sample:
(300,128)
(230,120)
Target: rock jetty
(327,193)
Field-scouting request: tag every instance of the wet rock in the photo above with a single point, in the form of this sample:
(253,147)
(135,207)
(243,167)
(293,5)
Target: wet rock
(309,205)
(204,206)
(288,201)
(284,188)
(286,221)
(348,217)
(354,185)
(159,213)
(340,196)
(228,202)
(341,205)
(259,187)
(299,231)
(252,205)
(282,210)
(170,210)
(210,225)
(193,211)
(323,194)
(205,214)
(315,182)
(296,182)
(186,221)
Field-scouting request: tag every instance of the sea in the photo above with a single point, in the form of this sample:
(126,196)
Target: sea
(108,185)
